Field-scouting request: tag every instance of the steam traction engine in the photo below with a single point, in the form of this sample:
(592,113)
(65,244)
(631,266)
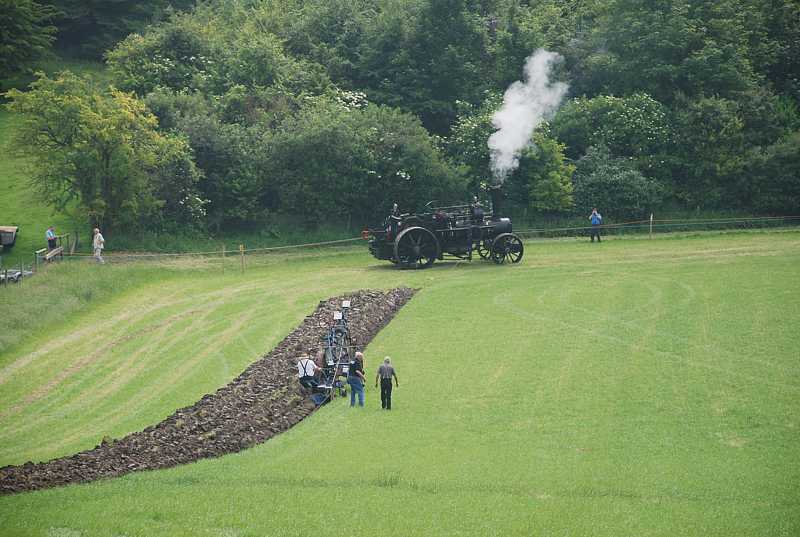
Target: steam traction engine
(455,232)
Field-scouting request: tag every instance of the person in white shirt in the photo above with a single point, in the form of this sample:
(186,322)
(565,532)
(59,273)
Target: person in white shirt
(307,371)
(98,243)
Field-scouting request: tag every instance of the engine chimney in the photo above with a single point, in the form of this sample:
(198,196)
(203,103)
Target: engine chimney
(496,193)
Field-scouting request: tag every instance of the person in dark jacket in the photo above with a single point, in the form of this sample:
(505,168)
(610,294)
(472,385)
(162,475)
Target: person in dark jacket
(356,378)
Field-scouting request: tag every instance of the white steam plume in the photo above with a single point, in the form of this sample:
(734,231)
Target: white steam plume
(525,105)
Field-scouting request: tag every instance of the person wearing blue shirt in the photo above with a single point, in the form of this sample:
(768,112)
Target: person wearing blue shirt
(50,235)
(596,219)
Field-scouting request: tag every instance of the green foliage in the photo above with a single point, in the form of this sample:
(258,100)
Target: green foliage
(173,55)
(614,185)
(201,52)
(696,93)
(711,149)
(668,48)
(634,126)
(101,150)
(423,55)
(356,160)
(543,181)
(771,179)
(467,142)
(93,26)
(26,33)
(231,156)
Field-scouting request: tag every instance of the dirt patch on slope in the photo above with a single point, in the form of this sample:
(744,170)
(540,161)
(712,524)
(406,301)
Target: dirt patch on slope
(263,401)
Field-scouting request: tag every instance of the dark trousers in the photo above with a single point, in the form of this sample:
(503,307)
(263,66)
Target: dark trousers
(595,232)
(386,394)
(51,244)
(308,382)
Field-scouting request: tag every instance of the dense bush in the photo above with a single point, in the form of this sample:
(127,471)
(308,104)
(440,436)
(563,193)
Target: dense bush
(613,184)
(355,161)
(771,182)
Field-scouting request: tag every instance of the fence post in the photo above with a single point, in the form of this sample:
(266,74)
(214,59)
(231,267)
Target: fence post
(223,258)
(651,225)
(241,254)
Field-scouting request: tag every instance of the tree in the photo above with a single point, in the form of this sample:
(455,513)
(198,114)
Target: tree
(669,48)
(543,181)
(26,33)
(468,140)
(101,150)
(634,126)
(93,26)
(200,51)
(771,182)
(355,160)
(710,149)
(423,55)
(613,183)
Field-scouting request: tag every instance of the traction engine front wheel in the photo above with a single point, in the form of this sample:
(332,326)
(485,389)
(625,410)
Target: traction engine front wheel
(507,247)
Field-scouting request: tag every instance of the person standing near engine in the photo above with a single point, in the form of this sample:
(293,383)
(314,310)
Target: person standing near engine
(597,220)
(393,221)
(385,374)
(476,211)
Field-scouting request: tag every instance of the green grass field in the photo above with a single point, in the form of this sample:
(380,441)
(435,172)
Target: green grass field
(638,387)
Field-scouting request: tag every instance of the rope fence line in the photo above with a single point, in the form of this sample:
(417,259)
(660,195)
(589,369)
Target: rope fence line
(661,223)
(242,253)
(227,253)
(633,224)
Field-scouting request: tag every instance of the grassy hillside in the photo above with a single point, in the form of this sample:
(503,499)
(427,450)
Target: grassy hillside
(631,388)
(19,204)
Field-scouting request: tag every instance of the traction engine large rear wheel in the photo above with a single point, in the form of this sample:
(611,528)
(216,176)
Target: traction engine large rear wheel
(507,247)
(416,247)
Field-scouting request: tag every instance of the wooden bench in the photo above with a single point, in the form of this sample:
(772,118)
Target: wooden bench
(52,254)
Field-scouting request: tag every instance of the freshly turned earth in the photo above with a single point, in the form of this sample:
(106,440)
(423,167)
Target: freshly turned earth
(263,401)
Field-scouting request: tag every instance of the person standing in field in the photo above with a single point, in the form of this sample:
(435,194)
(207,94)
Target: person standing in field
(50,235)
(596,219)
(98,243)
(385,374)
(356,378)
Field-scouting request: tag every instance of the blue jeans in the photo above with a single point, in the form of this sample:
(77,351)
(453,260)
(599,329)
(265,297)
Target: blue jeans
(356,387)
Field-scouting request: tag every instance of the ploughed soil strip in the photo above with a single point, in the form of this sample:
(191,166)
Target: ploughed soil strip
(264,400)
